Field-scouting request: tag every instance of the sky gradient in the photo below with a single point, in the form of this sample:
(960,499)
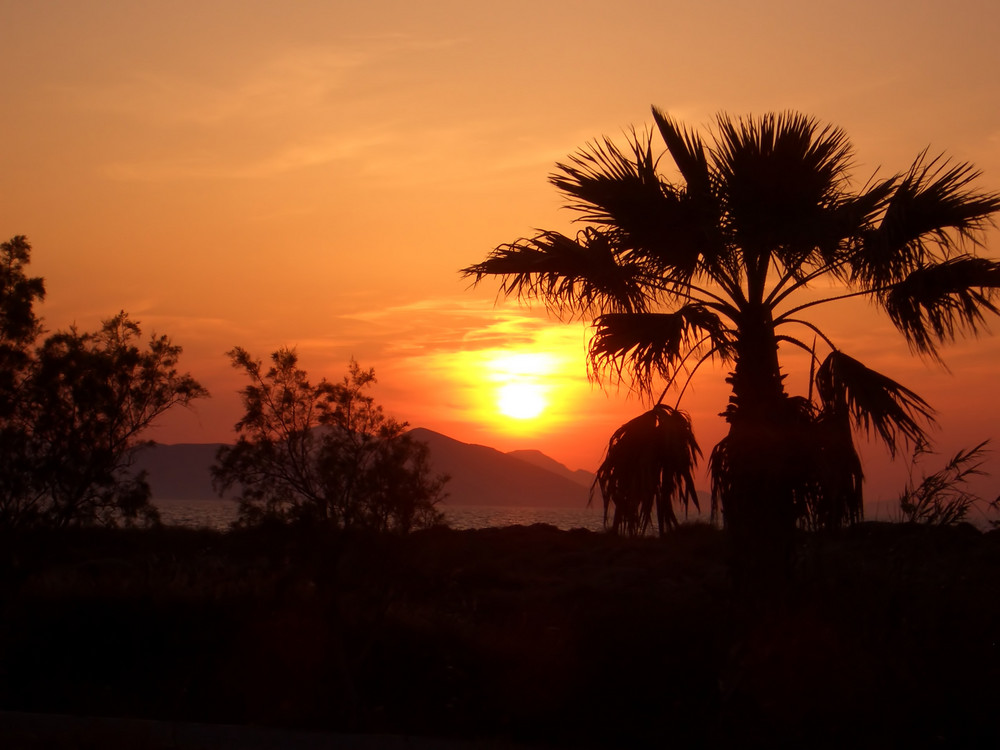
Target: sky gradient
(314,174)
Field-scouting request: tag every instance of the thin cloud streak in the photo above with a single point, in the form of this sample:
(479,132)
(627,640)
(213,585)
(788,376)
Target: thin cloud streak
(442,325)
(298,82)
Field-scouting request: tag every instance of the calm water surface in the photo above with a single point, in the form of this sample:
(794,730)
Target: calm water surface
(219,514)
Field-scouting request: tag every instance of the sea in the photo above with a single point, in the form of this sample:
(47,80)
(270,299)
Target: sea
(219,514)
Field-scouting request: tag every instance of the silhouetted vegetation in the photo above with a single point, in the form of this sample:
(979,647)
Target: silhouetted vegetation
(533,635)
(650,461)
(324,454)
(721,262)
(73,410)
(942,497)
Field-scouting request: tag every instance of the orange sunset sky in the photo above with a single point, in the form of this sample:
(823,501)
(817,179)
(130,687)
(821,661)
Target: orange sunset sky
(316,173)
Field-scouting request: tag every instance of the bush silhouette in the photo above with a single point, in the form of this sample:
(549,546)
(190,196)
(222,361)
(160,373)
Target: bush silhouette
(324,454)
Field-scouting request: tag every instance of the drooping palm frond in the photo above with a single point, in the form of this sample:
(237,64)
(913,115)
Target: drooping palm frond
(931,210)
(650,462)
(649,344)
(936,302)
(876,404)
(584,275)
(800,465)
(820,466)
(835,497)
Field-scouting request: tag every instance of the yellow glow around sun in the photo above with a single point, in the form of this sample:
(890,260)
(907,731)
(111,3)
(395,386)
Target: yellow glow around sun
(533,388)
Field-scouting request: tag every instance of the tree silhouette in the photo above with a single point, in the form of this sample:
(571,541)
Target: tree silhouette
(91,397)
(19,330)
(324,453)
(721,262)
(74,408)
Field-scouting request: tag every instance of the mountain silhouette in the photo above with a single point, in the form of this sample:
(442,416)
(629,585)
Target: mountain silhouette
(485,476)
(580,476)
(479,475)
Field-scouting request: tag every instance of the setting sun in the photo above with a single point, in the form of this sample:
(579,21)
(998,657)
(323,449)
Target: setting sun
(532,392)
(521,378)
(521,400)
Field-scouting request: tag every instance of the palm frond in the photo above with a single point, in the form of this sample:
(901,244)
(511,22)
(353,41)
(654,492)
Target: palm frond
(835,497)
(649,463)
(688,153)
(931,211)
(602,181)
(779,175)
(798,464)
(938,302)
(833,241)
(649,344)
(582,276)
(624,194)
(691,158)
(845,219)
(876,404)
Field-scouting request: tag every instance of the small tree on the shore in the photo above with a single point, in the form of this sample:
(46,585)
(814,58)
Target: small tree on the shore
(324,453)
(723,261)
(73,410)
(94,395)
(19,330)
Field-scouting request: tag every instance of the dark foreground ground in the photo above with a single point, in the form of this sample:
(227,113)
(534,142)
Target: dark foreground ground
(887,637)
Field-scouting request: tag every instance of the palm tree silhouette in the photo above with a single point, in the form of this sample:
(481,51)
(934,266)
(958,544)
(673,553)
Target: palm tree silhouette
(721,264)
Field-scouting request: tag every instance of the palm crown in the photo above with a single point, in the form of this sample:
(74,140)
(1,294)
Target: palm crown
(675,272)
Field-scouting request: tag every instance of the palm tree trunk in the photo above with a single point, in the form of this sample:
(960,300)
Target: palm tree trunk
(751,475)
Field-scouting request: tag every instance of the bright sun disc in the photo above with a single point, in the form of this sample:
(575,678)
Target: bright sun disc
(520,400)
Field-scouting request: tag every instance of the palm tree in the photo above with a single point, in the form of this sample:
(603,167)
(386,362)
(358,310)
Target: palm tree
(721,263)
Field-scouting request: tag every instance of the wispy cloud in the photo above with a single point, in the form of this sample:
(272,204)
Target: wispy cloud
(296,82)
(203,164)
(354,101)
(450,324)
(302,108)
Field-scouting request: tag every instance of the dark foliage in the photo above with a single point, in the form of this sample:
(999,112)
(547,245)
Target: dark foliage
(74,408)
(942,497)
(650,461)
(323,454)
(720,261)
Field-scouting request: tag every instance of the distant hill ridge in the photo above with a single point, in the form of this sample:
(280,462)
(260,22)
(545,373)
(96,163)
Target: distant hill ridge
(480,475)
(580,476)
(485,476)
